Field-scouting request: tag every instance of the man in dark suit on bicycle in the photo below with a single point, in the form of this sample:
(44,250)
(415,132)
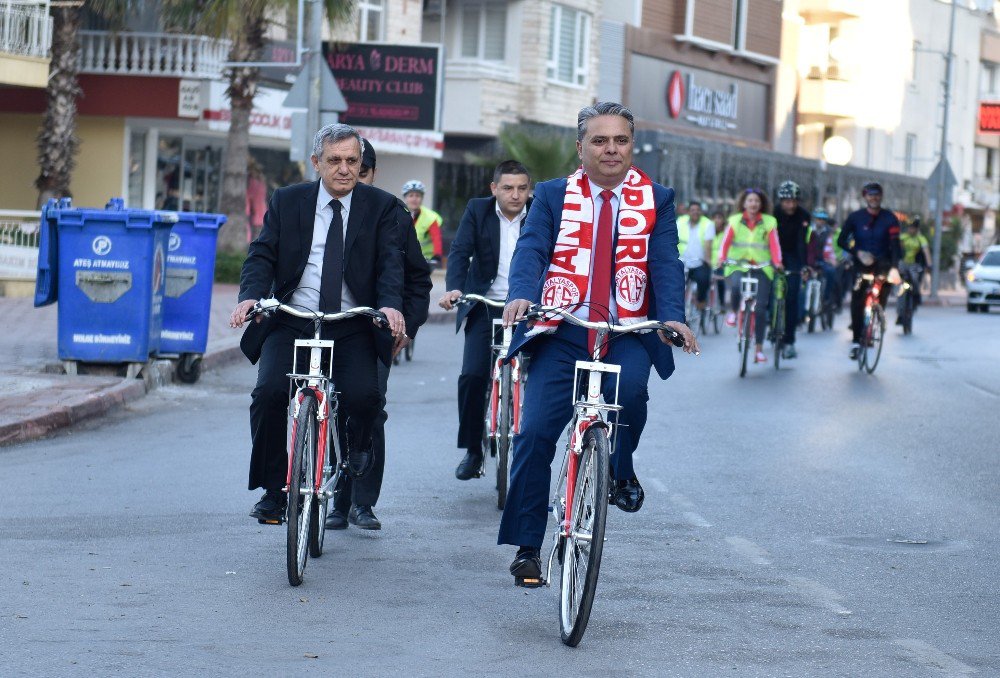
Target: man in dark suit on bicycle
(479,263)
(602,242)
(328,245)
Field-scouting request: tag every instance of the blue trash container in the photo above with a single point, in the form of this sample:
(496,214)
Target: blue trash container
(109,281)
(187,301)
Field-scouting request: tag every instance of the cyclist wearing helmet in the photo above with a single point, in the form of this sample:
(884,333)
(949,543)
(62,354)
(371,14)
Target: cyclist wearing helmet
(916,255)
(871,235)
(820,252)
(426,221)
(752,235)
(793,223)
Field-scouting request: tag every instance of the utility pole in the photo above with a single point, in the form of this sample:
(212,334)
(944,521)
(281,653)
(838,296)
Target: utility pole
(939,208)
(315,62)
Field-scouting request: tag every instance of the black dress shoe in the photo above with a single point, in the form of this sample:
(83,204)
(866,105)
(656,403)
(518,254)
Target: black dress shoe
(527,568)
(469,467)
(628,495)
(363,517)
(336,520)
(360,462)
(271,507)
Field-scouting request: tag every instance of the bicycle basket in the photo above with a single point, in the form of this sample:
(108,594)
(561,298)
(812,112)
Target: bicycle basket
(748,287)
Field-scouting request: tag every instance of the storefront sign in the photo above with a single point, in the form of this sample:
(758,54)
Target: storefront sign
(989,117)
(268,118)
(674,95)
(392,86)
(405,141)
(189,99)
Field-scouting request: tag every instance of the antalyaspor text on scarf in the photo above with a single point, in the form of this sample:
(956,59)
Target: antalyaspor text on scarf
(569,271)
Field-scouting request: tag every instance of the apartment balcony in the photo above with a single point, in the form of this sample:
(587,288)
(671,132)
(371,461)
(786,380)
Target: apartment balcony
(829,11)
(25,38)
(152,54)
(478,99)
(826,100)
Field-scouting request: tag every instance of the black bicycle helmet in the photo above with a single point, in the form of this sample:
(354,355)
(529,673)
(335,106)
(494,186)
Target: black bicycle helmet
(789,190)
(871,187)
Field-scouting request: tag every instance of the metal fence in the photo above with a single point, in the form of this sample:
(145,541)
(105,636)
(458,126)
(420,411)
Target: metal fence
(19,244)
(715,173)
(25,28)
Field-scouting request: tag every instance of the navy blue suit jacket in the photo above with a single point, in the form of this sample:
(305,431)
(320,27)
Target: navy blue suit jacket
(666,272)
(474,257)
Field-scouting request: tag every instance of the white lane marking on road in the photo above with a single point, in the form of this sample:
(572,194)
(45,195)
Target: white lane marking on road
(658,484)
(820,595)
(681,501)
(933,658)
(982,389)
(749,550)
(696,519)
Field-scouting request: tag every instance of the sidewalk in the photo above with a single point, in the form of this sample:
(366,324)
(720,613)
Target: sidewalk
(37,397)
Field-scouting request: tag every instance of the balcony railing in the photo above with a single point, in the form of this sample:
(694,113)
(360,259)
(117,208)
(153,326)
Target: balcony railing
(25,30)
(157,54)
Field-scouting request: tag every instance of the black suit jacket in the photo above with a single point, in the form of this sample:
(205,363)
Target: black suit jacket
(417,282)
(373,260)
(475,252)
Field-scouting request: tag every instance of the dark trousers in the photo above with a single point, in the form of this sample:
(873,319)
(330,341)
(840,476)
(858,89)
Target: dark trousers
(365,491)
(859,293)
(356,378)
(763,299)
(548,407)
(702,276)
(475,376)
(792,289)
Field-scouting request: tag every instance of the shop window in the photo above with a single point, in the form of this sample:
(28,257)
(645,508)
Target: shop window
(371,20)
(569,46)
(168,173)
(483,31)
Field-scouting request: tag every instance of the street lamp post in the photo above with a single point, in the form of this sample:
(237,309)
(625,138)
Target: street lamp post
(939,208)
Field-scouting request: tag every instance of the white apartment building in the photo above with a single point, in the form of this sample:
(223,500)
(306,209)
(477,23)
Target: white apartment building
(872,73)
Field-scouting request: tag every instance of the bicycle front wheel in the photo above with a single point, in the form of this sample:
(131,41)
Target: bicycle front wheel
(300,495)
(747,339)
(875,336)
(778,330)
(582,549)
(505,432)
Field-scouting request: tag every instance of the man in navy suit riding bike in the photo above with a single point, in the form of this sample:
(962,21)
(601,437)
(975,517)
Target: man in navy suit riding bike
(602,242)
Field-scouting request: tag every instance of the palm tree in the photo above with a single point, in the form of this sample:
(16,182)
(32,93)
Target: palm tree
(57,140)
(245,22)
(546,153)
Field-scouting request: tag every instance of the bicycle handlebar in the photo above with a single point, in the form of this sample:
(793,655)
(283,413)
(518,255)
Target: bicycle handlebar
(538,312)
(474,298)
(745,265)
(270,306)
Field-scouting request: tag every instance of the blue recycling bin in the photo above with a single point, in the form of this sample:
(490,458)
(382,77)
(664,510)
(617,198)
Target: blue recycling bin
(187,300)
(107,270)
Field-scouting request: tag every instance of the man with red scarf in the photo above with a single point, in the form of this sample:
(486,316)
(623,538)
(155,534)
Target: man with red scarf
(604,240)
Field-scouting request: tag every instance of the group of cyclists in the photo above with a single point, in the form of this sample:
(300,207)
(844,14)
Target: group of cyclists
(798,245)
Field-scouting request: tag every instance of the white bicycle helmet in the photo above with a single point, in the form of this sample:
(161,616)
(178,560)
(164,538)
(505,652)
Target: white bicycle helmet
(414,185)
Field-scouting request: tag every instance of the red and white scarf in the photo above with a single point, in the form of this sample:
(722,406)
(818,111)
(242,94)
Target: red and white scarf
(569,271)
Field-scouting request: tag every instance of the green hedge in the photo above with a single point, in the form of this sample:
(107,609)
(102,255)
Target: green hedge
(228,267)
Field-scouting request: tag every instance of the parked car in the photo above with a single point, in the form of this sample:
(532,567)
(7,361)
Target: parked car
(983,282)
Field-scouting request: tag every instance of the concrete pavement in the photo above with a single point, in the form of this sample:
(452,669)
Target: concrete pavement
(37,397)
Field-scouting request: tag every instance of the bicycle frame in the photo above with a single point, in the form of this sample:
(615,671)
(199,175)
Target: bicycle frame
(318,380)
(496,383)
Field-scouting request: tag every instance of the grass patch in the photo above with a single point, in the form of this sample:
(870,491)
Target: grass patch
(228,267)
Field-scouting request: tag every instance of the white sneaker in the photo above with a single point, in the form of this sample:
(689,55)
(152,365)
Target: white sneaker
(731,319)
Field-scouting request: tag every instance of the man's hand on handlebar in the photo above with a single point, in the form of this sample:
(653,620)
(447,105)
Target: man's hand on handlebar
(400,343)
(514,311)
(690,341)
(239,314)
(448,299)
(395,319)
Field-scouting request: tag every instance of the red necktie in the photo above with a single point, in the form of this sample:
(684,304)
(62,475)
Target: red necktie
(600,276)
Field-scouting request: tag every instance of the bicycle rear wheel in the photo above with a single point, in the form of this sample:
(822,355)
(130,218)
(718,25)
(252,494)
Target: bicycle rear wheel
(504,434)
(875,337)
(581,551)
(778,330)
(299,501)
(747,340)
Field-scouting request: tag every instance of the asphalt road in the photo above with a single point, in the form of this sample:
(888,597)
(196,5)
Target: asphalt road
(808,522)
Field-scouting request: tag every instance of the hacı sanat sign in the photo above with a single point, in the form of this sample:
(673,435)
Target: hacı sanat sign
(989,117)
(393,86)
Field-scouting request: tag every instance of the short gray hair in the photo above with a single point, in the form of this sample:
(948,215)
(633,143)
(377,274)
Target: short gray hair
(331,134)
(602,108)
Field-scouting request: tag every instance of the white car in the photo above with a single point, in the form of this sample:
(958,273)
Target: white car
(984,282)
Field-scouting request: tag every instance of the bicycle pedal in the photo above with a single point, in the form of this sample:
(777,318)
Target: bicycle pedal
(270,522)
(529,582)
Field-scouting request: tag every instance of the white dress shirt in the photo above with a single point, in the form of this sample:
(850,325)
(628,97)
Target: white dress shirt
(694,254)
(595,191)
(510,230)
(307,294)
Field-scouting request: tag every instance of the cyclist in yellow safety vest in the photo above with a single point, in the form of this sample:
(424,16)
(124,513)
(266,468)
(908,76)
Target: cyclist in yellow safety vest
(752,236)
(695,250)
(719,220)
(916,256)
(426,221)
